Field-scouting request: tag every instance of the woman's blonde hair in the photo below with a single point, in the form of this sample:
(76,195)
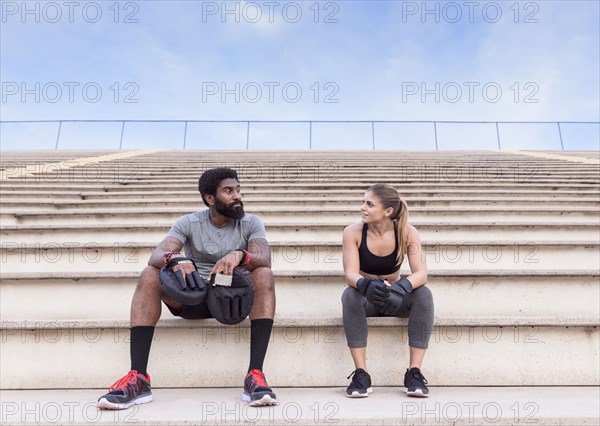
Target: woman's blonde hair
(389,197)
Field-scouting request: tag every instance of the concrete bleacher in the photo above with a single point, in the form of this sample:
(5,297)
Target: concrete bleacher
(512,241)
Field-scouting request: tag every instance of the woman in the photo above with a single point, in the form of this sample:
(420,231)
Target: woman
(373,251)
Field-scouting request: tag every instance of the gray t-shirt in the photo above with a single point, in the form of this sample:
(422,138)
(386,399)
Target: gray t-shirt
(206,243)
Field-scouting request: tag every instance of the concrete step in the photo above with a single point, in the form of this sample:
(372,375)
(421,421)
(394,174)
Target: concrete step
(107,296)
(583,178)
(568,178)
(138,169)
(330,231)
(263,167)
(321,162)
(569,406)
(260,202)
(590,186)
(304,255)
(315,214)
(432,194)
(184,351)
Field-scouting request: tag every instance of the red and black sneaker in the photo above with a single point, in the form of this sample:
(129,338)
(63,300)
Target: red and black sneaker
(256,390)
(131,389)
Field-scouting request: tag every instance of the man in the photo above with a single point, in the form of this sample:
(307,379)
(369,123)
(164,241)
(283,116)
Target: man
(218,239)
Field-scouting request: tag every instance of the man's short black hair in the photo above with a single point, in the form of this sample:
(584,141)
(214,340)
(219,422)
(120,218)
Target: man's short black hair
(210,180)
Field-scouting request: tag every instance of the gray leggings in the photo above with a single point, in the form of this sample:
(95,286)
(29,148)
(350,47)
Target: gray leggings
(417,307)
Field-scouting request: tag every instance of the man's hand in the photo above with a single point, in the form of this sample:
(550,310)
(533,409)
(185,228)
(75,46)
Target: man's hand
(227,263)
(182,284)
(185,268)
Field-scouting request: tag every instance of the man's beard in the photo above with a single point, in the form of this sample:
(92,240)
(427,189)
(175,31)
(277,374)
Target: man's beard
(228,210)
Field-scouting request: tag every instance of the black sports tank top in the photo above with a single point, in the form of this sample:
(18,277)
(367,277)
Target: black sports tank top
(377,265)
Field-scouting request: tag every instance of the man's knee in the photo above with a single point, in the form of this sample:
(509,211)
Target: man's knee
(149,279)
(262,279)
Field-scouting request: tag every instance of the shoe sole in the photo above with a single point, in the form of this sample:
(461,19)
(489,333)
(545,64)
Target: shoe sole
(416,393)
(356,394)
(107,405)
(266,400)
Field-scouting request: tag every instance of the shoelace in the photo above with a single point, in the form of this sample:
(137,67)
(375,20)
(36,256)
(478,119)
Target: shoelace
(259,378)
(358,377)
(418,376)
(128,378)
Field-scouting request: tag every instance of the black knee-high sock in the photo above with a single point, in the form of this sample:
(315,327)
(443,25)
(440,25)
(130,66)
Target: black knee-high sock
(139,347)
(260,333)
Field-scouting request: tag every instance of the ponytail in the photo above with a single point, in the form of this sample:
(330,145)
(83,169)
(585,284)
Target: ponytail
(401,219)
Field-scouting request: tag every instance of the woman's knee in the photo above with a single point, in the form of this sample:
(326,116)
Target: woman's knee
(351,296)
(422,296)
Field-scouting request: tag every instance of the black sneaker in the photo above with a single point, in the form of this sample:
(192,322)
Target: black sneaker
(415,383)
(360,387)
(131,389)
(256,390)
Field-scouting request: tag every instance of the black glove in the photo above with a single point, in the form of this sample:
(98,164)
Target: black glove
(398,292)
(373,289)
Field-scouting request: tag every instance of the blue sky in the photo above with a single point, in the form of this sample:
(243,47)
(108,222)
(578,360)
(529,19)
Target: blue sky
(303,60)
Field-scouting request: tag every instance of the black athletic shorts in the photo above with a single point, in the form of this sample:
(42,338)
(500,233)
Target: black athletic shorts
(200,311)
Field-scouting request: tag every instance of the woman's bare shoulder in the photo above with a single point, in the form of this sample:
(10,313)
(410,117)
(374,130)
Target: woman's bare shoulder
(353,230)
(413,234)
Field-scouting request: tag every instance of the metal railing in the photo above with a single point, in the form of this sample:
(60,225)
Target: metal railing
(309,123)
